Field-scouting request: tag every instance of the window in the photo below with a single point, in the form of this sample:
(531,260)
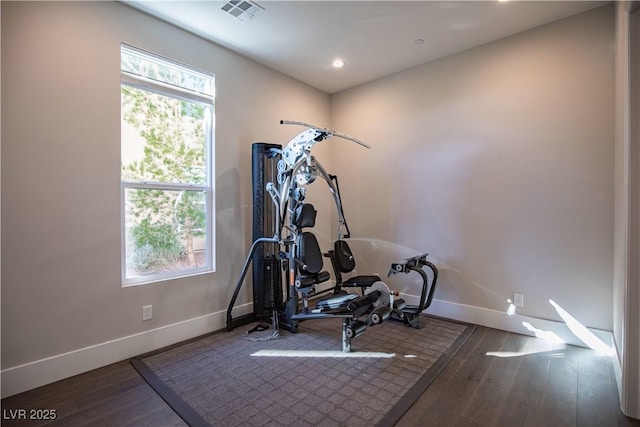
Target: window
(167,121)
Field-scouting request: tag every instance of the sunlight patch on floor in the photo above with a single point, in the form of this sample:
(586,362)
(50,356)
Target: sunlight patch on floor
(543,345)
(318,353)
(539,333)
(550,341)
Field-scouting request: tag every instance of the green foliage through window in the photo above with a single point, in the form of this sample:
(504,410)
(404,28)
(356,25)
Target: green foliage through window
(165,171)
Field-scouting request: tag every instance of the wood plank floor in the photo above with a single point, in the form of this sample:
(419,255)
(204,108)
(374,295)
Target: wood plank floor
(497,379)
(504,379)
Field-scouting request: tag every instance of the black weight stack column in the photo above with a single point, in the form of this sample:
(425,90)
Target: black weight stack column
(267,279)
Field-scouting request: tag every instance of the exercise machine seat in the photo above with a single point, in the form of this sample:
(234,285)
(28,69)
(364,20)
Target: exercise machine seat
(336,301)
(344,262)
(309,256)
(361,281)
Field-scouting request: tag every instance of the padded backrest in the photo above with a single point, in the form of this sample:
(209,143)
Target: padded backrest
(305,216)
(309,253)
(343,256)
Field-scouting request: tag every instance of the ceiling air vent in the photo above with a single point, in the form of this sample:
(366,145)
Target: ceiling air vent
(242,9)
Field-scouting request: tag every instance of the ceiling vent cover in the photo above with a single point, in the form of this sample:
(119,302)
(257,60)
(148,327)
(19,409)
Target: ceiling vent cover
(242,9)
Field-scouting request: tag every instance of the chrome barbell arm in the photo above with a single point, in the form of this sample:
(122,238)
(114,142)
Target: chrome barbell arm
(329,131)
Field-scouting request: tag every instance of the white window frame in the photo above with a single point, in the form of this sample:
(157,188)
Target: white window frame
(208,100)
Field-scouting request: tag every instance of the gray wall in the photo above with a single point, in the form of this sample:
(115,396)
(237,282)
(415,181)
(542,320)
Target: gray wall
(499,162)
(61,288)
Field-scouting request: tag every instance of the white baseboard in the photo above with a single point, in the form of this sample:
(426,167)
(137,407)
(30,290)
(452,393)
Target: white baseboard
(34,374)
(542,328)
(617,367)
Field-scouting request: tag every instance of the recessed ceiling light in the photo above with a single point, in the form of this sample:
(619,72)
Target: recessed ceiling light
(338,63)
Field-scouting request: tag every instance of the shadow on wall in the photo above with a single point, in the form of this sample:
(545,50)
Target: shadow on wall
(435,203)
(374,256)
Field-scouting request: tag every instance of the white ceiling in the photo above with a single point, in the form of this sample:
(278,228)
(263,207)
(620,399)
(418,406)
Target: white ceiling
(374,38)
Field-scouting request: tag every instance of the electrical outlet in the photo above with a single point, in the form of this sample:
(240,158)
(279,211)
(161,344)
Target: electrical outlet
(518,300)
(147,312)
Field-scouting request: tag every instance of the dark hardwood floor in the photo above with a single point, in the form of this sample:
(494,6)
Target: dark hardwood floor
(505,379)
(497,379)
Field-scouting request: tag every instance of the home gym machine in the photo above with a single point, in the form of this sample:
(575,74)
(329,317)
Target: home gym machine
(287,260)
